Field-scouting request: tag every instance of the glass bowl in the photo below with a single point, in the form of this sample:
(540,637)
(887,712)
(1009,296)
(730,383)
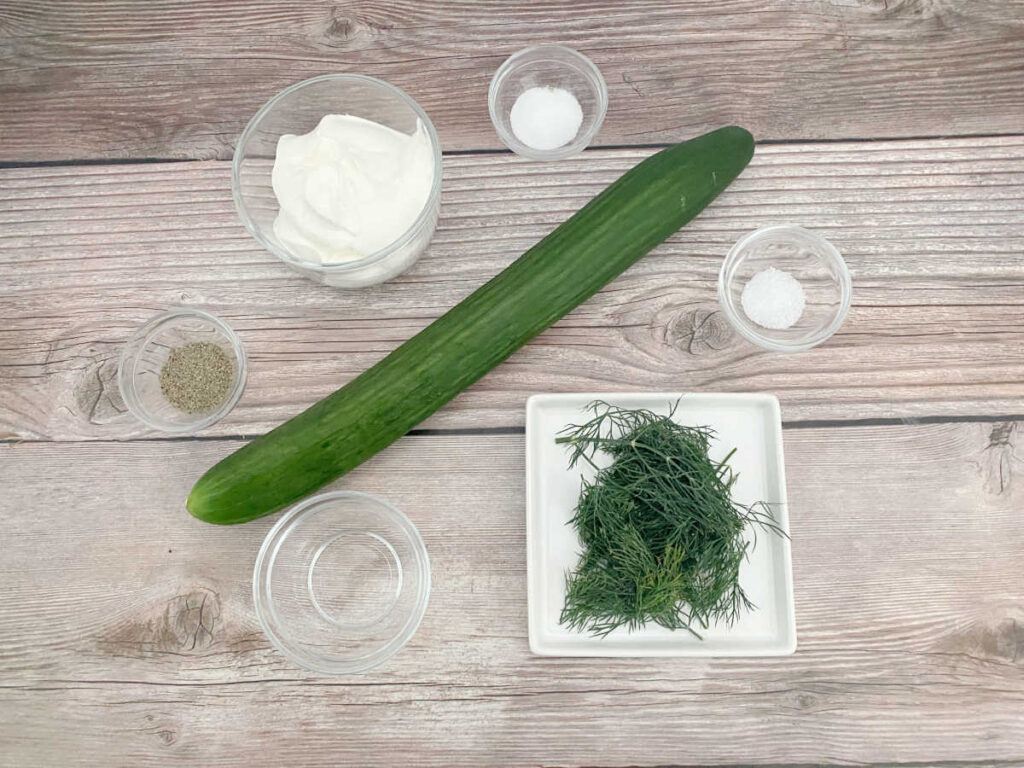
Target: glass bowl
(552,66)
(341,582)
(808,257)
(146,352)
(297,110)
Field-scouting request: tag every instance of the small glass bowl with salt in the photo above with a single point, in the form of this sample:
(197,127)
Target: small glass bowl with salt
(547,102)
(785,288)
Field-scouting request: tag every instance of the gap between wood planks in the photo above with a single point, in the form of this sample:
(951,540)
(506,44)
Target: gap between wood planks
(6,164)
(929,764)
(796,424)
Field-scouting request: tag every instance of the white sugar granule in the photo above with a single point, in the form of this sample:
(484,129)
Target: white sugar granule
(773,299)
(546,118)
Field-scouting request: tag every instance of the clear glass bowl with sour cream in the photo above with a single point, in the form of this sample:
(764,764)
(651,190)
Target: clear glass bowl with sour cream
(297,111)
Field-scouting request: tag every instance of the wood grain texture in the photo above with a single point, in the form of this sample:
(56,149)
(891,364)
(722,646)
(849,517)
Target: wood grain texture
(179,79)
(127,635)
(933,232)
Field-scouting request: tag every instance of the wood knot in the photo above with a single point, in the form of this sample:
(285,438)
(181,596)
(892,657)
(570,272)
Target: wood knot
(805,701)
(166,733)
(97,397)
(998,459)
(700,332)
(339,28)
(185,623)
(193,618)
(343,31)
(999,641)
(167,736)
(632,84)
(1000,434)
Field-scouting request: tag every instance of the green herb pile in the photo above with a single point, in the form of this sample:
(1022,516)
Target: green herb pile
(662,539)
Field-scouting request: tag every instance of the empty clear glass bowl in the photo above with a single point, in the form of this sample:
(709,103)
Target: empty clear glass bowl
(341,582)
(146,352)
(808,257)
(551,66)
(297,110)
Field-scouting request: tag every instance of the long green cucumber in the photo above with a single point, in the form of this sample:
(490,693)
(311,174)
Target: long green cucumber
(612,231)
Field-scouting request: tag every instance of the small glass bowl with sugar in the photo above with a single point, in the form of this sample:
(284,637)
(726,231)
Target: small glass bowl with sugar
(547,102)
(785,288)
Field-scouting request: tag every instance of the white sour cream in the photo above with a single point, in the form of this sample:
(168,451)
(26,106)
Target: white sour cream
(349,188)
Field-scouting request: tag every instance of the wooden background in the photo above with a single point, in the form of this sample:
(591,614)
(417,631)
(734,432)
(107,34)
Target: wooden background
(893,127)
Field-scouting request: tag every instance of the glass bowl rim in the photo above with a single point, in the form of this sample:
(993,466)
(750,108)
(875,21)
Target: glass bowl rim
(141,338)
(745,329)
(263,599)
(372,258)
(574,147)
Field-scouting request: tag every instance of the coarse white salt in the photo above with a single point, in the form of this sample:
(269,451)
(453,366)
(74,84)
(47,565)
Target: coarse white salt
(546,118)
(773,299)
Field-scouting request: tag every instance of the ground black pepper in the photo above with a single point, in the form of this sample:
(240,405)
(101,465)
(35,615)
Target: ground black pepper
(197,377)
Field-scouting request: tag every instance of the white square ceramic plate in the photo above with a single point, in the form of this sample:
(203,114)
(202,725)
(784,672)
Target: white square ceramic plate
(752,424)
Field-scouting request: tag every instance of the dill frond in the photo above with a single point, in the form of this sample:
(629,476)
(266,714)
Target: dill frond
(663,541)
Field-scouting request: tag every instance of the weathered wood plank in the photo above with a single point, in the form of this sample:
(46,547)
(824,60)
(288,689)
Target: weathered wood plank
(164,78)
(933,233)
(127,635)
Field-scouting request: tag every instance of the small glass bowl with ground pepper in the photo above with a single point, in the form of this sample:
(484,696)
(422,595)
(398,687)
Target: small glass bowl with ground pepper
(182,371)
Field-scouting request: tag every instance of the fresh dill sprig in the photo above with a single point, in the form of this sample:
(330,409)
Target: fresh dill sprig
(662,539)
